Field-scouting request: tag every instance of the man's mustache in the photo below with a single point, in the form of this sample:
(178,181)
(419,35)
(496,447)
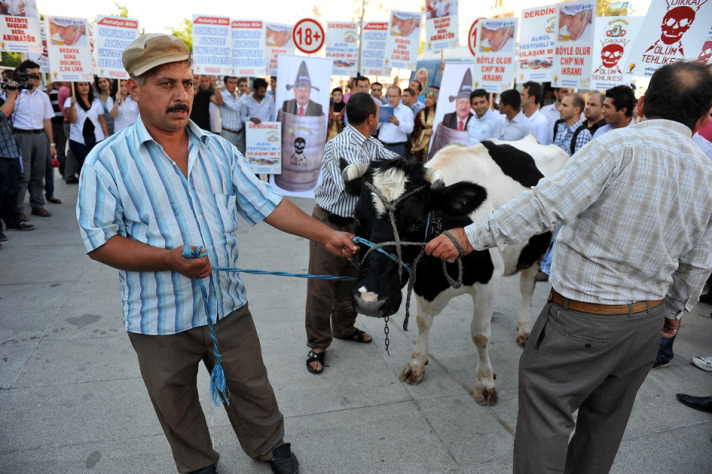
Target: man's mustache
(177,107)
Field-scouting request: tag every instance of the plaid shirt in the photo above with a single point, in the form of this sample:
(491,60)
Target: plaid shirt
(638,207)
(564,135)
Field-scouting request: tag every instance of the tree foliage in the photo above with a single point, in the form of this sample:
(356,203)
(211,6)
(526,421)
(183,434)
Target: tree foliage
(11,59)
(121,10)
(184,31)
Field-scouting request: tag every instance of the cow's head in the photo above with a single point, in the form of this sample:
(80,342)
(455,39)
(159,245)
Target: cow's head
(402,193)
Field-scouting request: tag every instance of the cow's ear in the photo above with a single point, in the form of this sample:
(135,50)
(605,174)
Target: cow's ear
(352,175)
(458,199)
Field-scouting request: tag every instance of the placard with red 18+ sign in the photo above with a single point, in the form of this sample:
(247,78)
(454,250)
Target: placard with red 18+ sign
(308,36)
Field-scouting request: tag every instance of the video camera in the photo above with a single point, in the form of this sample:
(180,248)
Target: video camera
(21,79)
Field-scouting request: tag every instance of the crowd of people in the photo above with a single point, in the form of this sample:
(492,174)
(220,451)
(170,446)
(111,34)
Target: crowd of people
(156,123)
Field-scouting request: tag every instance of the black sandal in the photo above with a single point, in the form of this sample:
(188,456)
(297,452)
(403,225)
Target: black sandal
(357,336)
(316,357)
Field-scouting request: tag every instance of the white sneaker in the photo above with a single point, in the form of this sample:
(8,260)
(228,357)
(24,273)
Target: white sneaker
(704,363)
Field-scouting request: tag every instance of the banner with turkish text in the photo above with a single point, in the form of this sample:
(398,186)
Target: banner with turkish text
(574,44)
(263,149)
(373,49)
(441,24)
(20,27)
(342,46)
(614,38)
(496,50)
(536,44)
(212,45)
(248,48)
(403,40)
(113,36)
(69,49)
(672,30)
(278,40)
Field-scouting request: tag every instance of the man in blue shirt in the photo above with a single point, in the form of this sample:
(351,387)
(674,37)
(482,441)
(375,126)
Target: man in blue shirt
(145,193)
(486,123)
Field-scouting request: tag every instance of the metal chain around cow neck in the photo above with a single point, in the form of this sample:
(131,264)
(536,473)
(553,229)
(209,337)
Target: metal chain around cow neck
(390,207)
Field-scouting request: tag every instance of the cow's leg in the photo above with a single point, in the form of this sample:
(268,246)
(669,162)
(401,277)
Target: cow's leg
(415,370)
(480,328)
(527,281)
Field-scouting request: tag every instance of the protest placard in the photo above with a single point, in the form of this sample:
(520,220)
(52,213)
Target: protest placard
(113,35)
(41,58)
(302,102)
(342,46)
(672,30)
(20,27)
(278,40)
(403,40)
(373,49)
(574,43)
(212,41)
(263,149)
(453,111)
(706,50)
(69,50)
(248,48)
(441,24)
(494,62)
(536,44)
(614,38)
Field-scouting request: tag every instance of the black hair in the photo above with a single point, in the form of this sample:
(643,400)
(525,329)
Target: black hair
(623,96)
(242,79)
(90,98)
(681,92)
(228,77)
(511,97)
(479,93)
(337,89)
(259,83)
(409,91)
(359,107)
(361,79)
(420,86)
(534,89)
(377,84)
(27,64)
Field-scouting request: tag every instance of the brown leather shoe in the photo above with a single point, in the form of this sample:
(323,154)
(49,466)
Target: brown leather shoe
(23,217)
(40,211)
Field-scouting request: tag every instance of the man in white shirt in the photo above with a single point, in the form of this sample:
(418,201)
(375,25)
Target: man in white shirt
(617,109)
(486,123)
(33,132)
(531,96)
(517,125)
(394,133)
(258,106)
(231,114)
(551,112)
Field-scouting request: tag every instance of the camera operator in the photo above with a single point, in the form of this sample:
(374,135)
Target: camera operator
(32,126)
(9,165)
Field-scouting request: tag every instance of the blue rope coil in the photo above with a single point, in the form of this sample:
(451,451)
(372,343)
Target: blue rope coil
(218,387)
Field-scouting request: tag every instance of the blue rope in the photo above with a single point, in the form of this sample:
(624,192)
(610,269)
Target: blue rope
(218,388)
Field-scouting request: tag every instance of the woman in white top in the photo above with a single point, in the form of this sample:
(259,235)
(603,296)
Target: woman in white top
(87,125)
(104,89)
(125,110)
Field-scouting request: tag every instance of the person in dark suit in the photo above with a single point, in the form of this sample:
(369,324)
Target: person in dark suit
(302,104)
(459,119)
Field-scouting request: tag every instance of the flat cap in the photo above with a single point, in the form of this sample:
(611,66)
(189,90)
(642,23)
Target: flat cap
(152,50)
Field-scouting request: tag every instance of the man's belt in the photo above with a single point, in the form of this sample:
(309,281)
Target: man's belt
(338,220)
(608,309)
(231,131)
(393,144)
(33,132)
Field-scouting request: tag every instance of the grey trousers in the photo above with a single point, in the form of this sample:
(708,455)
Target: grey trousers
(169,367)
(237,139)
(328,306)
(580,361)
(34,149)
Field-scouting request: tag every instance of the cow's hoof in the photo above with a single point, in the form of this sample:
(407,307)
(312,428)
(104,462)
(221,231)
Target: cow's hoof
(412,374)
(485,397)
(522,339)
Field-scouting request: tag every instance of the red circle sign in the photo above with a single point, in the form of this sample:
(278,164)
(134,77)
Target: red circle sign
(308,36)
(472,37)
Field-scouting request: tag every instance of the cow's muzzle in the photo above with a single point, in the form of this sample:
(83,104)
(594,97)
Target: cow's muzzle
(369,306)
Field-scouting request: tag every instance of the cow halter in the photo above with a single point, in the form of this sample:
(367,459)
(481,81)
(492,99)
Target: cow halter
(390,207)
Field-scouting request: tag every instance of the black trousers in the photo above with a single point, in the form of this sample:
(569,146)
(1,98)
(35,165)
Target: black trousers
(9,171)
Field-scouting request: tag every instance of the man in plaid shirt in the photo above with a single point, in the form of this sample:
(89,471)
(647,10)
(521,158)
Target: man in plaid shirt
(570,109)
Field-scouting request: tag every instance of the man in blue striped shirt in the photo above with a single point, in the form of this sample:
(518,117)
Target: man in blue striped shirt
(156,186)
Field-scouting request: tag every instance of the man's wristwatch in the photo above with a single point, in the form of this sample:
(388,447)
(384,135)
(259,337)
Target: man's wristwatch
(51,144)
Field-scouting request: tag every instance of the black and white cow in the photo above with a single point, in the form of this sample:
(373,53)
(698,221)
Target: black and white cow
(459,185)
